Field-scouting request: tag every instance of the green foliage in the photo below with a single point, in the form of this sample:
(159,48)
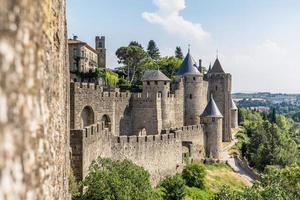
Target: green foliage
(279,184)
(173,188)
(169,66)
(193,193)
(152,50)
(194,175)
(178,53)
(133,58)
(117,180)
(110,77)
(73,185)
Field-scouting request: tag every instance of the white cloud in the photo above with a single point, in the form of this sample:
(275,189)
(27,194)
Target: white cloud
(168,16)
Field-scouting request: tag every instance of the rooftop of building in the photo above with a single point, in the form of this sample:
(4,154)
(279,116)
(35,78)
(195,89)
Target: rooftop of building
(154,75)
(188,66)
(217,67)
(74,41)
(211,109)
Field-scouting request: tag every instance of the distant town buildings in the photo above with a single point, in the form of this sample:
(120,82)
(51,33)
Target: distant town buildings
(83,57)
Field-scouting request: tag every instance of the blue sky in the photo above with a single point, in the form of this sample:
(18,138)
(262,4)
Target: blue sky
(258,40)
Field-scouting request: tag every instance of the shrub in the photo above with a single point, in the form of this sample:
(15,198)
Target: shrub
(120,180)
(194,175)
(173,188)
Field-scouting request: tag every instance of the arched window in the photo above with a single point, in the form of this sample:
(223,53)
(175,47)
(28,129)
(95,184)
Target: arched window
(106,123)
(87,116)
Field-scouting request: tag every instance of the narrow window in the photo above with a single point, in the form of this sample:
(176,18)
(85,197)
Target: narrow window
(148,83)
(155,82)
(191,96)
(216,87)
(165,82)
(194,78)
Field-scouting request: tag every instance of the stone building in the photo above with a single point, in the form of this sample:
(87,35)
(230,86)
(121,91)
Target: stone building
(101,51)
(82,57)
(159,128)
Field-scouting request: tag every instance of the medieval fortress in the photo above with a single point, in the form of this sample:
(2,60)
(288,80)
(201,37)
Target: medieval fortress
(169,122)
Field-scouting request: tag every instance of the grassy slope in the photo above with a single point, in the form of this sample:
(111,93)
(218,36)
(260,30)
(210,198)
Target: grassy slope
(217,175)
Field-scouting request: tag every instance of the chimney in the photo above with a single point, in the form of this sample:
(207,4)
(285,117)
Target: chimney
(200,65)
(75,37)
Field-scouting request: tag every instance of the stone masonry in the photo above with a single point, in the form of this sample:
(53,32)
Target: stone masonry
(34,101)
(159,128)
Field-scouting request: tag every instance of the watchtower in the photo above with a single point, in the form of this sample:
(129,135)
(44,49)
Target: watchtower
(212,120)
(220,87)
(193,86)
(101,51)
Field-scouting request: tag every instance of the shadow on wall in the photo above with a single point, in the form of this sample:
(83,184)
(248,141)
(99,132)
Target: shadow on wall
(87,116)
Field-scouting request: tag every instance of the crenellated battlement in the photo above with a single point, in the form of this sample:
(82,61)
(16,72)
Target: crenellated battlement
(94,89)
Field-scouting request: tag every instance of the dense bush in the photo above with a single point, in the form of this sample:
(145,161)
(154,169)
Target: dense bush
(194,175)
(117,180)
(173,188)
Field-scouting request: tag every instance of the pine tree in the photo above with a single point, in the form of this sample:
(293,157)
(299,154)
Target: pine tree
(152,50)
(178,53)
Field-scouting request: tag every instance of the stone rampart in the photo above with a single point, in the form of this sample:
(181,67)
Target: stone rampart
(161,155)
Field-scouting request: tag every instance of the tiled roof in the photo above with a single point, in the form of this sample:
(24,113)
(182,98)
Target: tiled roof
(154,75)
(211,109)
(188,66)
(233,105)
(217,68)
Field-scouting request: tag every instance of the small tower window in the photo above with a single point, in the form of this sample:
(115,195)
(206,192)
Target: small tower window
(155,82)
(148,82)
(216,87)
(191,96)
(165,82)
(194,78)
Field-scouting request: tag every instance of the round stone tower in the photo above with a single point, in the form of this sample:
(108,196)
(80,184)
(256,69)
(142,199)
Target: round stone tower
(193,86)
(212,120)
(234,115)
(154,81)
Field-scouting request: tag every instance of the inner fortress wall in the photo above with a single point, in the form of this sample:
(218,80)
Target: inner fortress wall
(161,155)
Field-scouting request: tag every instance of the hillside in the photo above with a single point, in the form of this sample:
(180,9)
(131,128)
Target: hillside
(217,176)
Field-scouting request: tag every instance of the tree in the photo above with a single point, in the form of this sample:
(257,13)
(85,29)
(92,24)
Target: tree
(119,180)
(152,50)
(173,188)
(110,77)
(194,175)
(169,66)
(133,58)
(135,43)
(178,53)
(279,184)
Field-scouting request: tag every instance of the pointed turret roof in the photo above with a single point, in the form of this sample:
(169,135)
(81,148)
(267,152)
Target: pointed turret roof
(233,105)
(211,109)
(217,68)
(154,75)
(188,66)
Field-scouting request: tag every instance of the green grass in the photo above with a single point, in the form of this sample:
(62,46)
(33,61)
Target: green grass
(217,175)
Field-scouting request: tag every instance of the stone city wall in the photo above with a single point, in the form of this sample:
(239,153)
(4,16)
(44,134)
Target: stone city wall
(161,155)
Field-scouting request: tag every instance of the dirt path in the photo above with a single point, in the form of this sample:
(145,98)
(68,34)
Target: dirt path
(233,163)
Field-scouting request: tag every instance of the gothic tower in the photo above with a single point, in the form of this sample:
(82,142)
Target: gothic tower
(220,87)
(193,90)
(101,51)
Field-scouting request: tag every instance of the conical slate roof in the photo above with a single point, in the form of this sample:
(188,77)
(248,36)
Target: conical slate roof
(154,75)
(211,109)
(217,68)
(233,105)
(188,66)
